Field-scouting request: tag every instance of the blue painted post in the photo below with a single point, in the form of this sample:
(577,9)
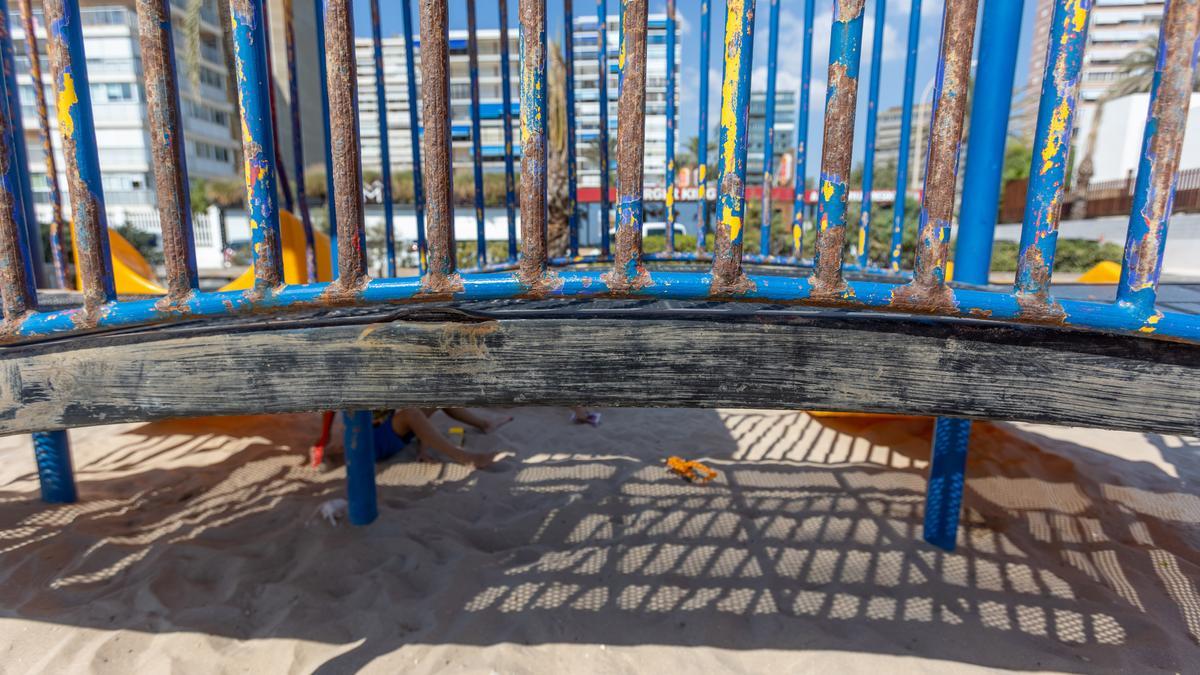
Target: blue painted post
(310,242)
(769,129)
(989,125)
(943,496)
(281,177)
(510,189)
(727,273)
(902,161)
(670,182)
(702,128)
(414,126)
(73,92)
(385,150)
(833,189)
(476,144)
(56,477)
(798,205)
(1051,148)
(628,270)
(602,43)
(572,169)
(258,145)
(13,105)
(360,467)
(331,210)
(1162,142)
(534,114)
(868,180)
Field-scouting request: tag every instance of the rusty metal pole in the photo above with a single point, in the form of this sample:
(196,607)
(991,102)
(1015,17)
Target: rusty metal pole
(602,56)
(533,143)
(385,150)
(476,141)
(68,62)
(833,188)
(57,230)
(728,278)
(167,148)
(440,275)
(628,272)
(17,287)
(702,214)
(510,187)
(572,166)
(342,68)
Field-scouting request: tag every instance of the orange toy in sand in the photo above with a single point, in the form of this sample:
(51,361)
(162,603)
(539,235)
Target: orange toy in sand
(691,470)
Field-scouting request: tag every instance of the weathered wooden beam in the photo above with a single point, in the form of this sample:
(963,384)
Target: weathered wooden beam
(614,354)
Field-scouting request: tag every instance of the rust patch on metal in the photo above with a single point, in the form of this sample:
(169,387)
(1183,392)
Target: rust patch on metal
(341,67)
(849,10)
(441,286)
(1039,308)
(980,313)
(924,299)
(437,167)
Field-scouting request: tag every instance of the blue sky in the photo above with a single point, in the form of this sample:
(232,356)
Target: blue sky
(791,27)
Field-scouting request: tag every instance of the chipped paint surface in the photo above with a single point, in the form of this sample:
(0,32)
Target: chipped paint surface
(769,128)
(602,57)
(1051,147)
(727,273)
(341,67)
(414,129)
(670,177)
(801,170)
(703,213)
(628,270)
(16,281)
(440,269)
(385,153)
(1162,145)
(534,146)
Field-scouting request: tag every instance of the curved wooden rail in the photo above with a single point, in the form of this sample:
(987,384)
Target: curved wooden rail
(603,353)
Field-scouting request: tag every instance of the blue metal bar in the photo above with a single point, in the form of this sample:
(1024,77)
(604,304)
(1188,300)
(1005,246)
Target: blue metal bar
(534,113)
(476,143)
(33,230)
(359,439)
(73,92)
(285,185)
(17,287)
(331,209)
(990,105)
(52,451)
(768,161)
(310,242)
(57,251)
(1162,143)
(510,189)
(728,277)
(414,125)
(385,150)
(1051,148)
(342,67)
(799,182)
(845,50)
(902,160)
(258,144)
(628,270)
(670,182)
(943,496)
(572,168)
(602,55)
(702,127)
(868,179)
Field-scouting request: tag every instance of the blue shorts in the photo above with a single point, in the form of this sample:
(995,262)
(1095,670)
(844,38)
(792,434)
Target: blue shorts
(387,442)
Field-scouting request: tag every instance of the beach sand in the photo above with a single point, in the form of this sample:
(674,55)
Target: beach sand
(197,546)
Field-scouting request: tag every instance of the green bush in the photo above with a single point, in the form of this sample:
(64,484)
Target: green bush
(1071,255)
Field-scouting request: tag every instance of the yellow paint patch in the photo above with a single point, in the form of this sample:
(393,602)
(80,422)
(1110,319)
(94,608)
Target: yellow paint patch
(1079,19)
(797,232)
(862,239)
(733,63)
(827,190)
(66,99)
(703,173)
(735,225)
(1058,129)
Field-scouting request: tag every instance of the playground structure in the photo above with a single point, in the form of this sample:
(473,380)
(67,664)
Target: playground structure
(681,328)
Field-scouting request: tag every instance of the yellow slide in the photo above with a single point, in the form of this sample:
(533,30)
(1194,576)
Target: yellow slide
(133,275)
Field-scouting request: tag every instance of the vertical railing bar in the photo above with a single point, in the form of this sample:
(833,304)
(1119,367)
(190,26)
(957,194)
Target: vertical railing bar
(628,271)
(330,208)
(254,98)
(285,185)
(572,167)
(33,235)
(1051,149)
(476,143)
(702,127)
(17,287)
(440,276)
(801,171)
(991,101)
(533,142)
(902,159)
(727,275)
(385,150)
(510,187)
(928,289)
(602,55)
(289,36)
(167,150)
(669,198)
(768,160)
(342,67)
(68,62)
(414,130)
(57,250)
(1162,143)
(833,188)
(868,177)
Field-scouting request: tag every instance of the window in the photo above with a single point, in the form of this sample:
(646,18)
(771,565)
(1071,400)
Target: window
(112,92)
